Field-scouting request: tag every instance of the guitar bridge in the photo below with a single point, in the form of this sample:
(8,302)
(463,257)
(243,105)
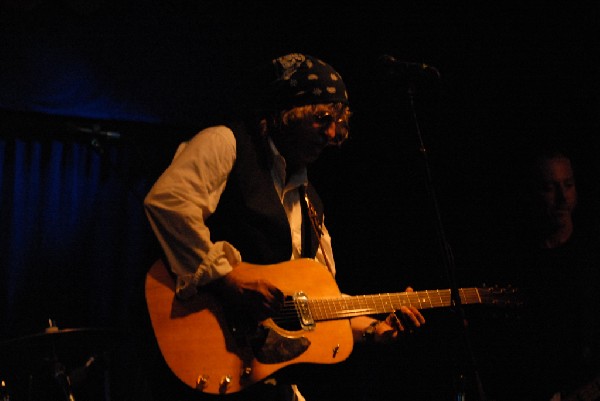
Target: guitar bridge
(306,320)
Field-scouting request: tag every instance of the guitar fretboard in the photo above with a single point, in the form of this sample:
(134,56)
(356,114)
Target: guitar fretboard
(337,308)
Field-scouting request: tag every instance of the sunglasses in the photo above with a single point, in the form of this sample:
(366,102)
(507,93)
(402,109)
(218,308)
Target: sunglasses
(324,120)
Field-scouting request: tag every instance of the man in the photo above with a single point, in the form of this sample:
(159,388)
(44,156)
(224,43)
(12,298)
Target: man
(553,198)
(549,349)
(239,193)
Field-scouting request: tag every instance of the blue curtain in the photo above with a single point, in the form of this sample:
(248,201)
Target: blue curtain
(74,235)
(75,246)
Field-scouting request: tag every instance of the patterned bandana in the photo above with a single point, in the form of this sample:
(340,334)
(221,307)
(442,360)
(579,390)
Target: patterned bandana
(301,80)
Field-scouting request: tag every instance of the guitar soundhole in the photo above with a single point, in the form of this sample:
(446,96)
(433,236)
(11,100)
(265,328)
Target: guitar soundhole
(288,318)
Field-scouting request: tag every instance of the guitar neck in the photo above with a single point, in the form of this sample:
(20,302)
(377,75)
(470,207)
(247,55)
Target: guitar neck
(351,306)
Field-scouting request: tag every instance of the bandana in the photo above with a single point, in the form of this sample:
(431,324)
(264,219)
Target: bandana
(301,80)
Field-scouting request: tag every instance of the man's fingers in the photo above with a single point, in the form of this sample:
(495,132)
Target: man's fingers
(415,316)
(394,321)
(412,316)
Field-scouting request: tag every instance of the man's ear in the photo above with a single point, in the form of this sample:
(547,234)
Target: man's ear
(263,127)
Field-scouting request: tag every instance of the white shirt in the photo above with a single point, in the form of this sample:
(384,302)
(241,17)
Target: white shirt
(188,192)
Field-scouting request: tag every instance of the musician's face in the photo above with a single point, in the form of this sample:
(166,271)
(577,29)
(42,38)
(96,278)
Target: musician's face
(301,142)
(556,191)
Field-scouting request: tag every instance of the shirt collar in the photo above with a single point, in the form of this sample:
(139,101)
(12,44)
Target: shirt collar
(279,174)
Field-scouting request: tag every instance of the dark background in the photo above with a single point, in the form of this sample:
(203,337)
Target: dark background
(95,96)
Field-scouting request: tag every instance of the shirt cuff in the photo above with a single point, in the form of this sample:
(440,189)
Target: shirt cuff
(218,262)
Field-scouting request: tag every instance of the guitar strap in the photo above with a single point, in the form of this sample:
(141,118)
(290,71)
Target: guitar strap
(306,240)
(309,214)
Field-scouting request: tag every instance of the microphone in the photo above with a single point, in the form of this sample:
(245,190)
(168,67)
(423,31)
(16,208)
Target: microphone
(407,68)
(95,130)
(95,134)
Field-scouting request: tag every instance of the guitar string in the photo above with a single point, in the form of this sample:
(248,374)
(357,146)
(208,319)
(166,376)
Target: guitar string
(330,307)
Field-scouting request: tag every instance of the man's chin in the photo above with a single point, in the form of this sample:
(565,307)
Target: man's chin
(561,218)
(312,157)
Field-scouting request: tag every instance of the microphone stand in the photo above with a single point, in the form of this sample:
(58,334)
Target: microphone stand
(446,249)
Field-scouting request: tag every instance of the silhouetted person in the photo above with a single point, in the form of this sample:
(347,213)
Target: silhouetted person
(548,349)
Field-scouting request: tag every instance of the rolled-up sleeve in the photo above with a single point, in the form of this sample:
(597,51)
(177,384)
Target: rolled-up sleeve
(181,200)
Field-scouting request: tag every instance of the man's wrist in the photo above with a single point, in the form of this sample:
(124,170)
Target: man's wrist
(370,331)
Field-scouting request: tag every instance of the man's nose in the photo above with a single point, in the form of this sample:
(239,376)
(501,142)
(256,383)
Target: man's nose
(561,194)
(331,131)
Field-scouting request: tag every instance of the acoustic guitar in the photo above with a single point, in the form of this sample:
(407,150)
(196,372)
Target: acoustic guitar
(216,351)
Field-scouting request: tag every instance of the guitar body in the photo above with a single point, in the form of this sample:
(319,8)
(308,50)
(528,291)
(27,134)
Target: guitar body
(211,348)
(206,351)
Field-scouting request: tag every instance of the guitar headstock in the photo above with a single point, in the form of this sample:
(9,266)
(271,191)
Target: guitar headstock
(501,296)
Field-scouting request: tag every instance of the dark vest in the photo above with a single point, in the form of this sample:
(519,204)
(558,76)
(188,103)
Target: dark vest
(250,215)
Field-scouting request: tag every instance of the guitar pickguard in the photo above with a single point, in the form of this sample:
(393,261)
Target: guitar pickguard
(270,346)
(269,341)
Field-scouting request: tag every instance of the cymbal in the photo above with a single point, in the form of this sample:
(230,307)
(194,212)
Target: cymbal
(54,333)
(66,345)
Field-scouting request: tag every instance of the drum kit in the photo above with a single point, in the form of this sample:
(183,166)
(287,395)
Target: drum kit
(70,364)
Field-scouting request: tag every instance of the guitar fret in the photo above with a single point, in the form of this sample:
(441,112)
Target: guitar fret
(359,305)
(439,299)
